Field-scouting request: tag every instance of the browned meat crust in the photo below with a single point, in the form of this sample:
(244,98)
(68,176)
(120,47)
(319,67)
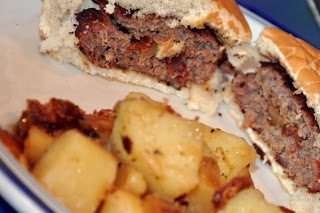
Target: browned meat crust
(282,120)
(123,41)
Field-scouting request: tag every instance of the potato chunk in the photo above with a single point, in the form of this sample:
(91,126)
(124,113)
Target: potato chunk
(233,153)
(153,204)
(249,200)
(200,199)
(36,144)
(122,202)
(163,146)
(77,171)
(130,180)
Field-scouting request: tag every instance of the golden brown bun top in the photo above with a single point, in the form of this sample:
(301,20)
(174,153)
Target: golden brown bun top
(233,8)
(301,61)
(223,16)
(229,17)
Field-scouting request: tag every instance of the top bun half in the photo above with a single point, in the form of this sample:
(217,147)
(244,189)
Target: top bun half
(301,61)
(223,16)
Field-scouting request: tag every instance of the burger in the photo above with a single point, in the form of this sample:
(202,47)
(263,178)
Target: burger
(278,104)
(171,46)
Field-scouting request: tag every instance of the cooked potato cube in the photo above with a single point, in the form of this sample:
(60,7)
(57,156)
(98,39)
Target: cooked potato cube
(130,180)
(77,171)
(14,147)
(232,153)
(122,202)
(153,204)
(249,200)
(36,144)
(200,199)
(163,146)
(10,143)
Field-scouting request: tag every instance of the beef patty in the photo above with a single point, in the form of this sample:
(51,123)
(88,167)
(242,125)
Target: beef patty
(122,40)
(282,119)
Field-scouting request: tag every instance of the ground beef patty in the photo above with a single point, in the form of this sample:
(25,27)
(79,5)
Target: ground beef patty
(124,41)
(282,119)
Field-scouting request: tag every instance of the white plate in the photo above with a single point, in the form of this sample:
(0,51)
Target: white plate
(26,74)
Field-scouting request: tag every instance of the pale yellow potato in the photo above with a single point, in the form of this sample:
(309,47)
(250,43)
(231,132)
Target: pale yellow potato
(153,204)
(233,153)
(131,180)
(164,147)
(24,162)
(249,201)
(122,202)
(36,144)
(77,171)
(200,199)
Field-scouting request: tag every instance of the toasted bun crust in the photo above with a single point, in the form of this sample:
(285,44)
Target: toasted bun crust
(301,61)
(223,16)
(57,27)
